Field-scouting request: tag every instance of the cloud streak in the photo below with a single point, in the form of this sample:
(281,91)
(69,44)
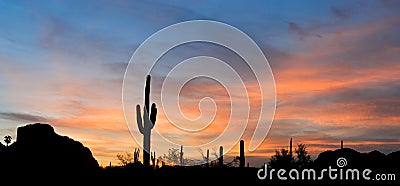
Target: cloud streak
(23,117)
(336,68)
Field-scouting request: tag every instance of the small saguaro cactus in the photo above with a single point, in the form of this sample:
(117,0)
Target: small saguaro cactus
(290,147)
(136,153)
(242,158)
(181,156)
(147,123)
(208,158)
(221,156)
(153,159)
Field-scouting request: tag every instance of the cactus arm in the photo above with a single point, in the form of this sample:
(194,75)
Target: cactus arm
(153,115)
(139,119)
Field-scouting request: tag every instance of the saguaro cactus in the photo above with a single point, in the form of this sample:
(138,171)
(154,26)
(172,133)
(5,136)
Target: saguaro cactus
(181,156)
(208,158)
(290,147)
(221,156)
(153,160)
(147,123)
(242,158)
(136,153)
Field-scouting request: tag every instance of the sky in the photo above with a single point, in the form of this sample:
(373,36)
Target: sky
(336,66)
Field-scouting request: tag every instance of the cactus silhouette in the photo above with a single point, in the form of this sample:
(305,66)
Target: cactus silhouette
(136,155)
(221,156)
(147,123)
(181,156)
(290,147)
(242,157)
(341,144)
(208,158)
(153,160)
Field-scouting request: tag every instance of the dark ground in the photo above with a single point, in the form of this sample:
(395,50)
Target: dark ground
(41,157)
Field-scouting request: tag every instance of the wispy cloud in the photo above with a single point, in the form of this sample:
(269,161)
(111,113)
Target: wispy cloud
(23,117)
(341,13)
(296,28)
(336,67)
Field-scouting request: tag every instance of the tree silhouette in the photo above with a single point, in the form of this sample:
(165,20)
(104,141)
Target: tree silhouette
(125,159)
(7,139)
(303,159)
(281,159)
(172,157)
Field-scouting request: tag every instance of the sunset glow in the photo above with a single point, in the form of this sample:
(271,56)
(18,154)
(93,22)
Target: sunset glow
(336,67)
